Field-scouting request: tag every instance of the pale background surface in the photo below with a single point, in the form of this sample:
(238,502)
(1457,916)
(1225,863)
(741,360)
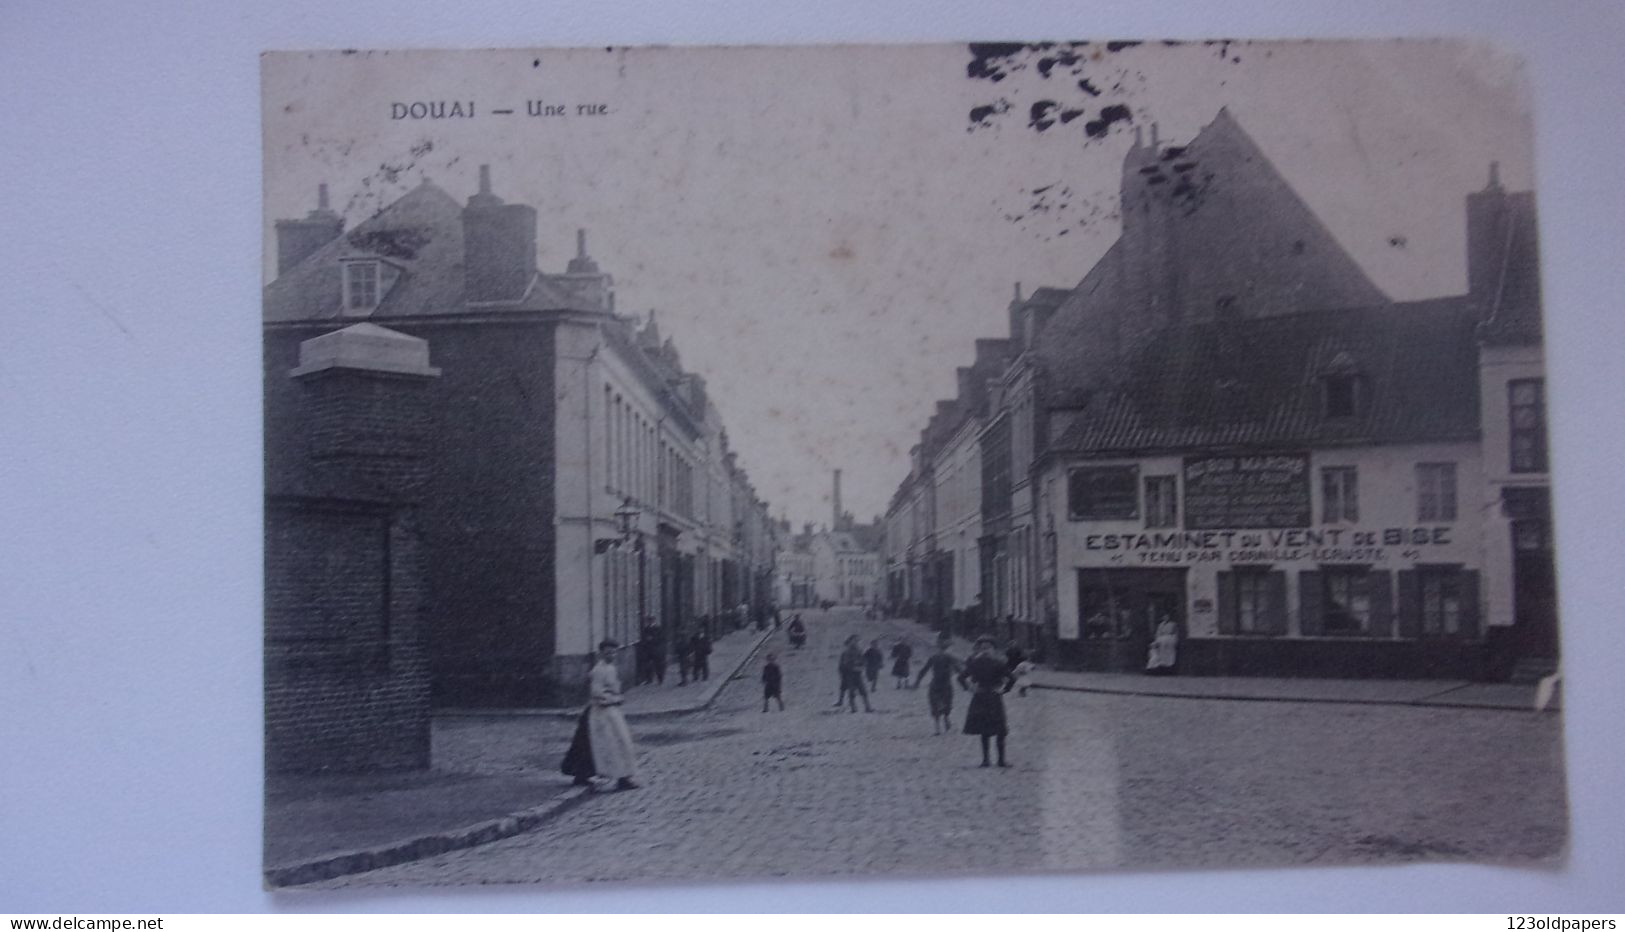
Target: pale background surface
(129,436)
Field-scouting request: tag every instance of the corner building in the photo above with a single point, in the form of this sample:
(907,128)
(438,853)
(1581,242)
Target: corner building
(577,483)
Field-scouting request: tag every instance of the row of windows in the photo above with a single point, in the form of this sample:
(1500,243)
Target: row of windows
(1097,493)
(1436,601)
(1352,600)
(639,464)
(858,566)
(626,597)
(1526,410)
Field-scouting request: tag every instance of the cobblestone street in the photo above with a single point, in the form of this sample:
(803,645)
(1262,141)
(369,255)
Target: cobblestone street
(1099,781)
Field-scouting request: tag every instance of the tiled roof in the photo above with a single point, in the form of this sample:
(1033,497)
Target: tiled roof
(422,235)
(1209,227)
(1260,382)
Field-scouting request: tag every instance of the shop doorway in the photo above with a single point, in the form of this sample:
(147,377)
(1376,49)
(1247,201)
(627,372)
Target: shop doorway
(1119,611)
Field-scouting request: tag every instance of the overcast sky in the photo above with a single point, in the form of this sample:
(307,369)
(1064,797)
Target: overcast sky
(825,234)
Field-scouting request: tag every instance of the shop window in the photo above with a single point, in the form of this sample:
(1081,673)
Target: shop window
(1340,494)
(1441,605)
(1527,411)
(1347,605)
(1438,602)
(1161,501)
(1436,491)
(1103,616)
(1252,600)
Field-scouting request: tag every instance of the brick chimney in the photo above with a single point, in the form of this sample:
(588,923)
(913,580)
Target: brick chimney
(966,378)
(297,239)
(499,246)
(365,387)
(1017,328)
(837,524)
(1488,226)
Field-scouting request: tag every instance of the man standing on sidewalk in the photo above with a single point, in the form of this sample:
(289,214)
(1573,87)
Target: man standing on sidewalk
(700,655)
(613,754)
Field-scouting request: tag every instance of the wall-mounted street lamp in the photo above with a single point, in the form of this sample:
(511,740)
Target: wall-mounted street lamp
(626,522)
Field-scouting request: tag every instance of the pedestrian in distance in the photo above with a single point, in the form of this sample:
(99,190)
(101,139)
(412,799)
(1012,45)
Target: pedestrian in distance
(656,633)
(941,667)
(902,658)
(685,654)
(613,755)
(1023,674)
(873,660)
(850,667)
(1014,656)
(1015,660)
(988,678)
(797,631)
(772,682)
(700,651)
(642,669)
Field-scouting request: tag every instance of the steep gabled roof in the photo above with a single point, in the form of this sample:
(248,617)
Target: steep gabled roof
(1209,229)
(1261,382)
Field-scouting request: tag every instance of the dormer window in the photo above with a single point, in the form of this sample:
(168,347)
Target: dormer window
(361,286)
(1342,389)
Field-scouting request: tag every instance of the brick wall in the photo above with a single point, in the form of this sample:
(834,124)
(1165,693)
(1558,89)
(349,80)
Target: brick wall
(486,513)
(346,679)
(346,675)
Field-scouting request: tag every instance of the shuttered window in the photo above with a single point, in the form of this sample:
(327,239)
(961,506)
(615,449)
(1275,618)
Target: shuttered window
(1347,600)
(1252,600)
(1438,602)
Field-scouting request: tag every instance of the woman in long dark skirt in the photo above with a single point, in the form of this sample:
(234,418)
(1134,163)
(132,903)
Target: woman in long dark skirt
(989,679)
(578,760)
(941,667)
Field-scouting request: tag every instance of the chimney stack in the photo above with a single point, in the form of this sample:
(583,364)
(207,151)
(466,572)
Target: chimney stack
(367,391)
(499,246)
(1016,315)
(582,264)
(1488,221)
(297,239)
(837,524)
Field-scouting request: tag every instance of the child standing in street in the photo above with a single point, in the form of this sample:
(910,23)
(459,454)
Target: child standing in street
(873,660)
(772,682)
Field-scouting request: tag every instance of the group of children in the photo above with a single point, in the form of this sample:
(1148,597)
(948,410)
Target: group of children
(987,676)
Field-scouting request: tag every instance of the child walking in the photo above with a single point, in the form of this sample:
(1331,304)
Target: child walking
(772,682)
(941,667)
(873,661)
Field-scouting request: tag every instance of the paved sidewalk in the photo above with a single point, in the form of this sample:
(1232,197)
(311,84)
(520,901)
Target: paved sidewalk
(659,700)
(320,827)
(1436,693)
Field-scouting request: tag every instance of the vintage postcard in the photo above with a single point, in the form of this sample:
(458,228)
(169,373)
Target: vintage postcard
(725,463)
